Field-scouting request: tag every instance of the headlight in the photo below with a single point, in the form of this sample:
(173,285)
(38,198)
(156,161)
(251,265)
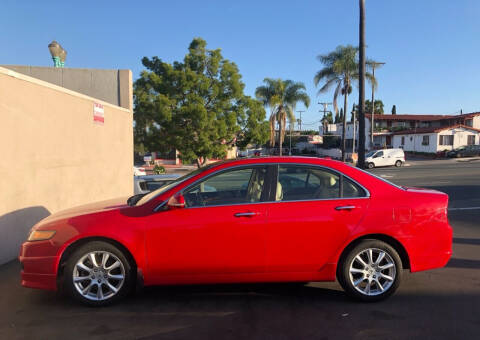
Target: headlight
(41,235)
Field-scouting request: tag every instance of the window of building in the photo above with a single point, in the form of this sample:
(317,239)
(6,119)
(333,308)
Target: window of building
(446,140)
(471,140)
(426,140)
(469,122)
(299,183)
(403,140)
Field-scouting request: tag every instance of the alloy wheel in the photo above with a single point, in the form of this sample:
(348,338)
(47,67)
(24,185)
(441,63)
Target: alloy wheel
(98,275)
(372,271)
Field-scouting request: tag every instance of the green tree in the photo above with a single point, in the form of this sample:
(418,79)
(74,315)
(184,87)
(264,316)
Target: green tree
(368,107)
(340,70)
(196,106)
(337,118)
(394,110)
(281,96)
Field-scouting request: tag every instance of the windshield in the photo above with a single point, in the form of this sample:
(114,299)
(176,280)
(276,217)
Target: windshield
(172,184)
(370,154)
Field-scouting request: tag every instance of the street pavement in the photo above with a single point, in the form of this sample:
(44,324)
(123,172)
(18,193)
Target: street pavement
(438,304)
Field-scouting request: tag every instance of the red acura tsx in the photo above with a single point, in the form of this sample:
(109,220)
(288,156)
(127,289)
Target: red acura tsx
(253,220)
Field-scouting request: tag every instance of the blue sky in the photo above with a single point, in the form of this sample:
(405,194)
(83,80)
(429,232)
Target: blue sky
(431,47)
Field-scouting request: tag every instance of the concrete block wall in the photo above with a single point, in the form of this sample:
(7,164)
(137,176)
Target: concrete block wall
(112,86)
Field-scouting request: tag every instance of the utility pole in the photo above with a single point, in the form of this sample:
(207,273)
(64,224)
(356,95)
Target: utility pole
(300,121)
(325,106)
(290,148)
(373,65)
(354,123)
(361,88)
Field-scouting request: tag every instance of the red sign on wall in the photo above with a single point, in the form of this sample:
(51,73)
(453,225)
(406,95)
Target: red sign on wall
(98,113)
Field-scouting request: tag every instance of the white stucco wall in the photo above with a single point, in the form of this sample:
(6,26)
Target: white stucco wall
(476,122)
(414,142)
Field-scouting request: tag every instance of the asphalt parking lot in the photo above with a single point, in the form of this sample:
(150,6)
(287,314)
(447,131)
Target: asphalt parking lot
(437,304)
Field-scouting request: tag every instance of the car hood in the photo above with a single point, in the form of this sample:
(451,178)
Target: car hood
(107,205)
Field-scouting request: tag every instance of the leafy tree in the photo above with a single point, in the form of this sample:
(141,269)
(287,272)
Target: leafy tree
(394,110)
(337,118)
(196,106)
(327,119)
(340,70)
(281,96)
(368,107)
(354,107)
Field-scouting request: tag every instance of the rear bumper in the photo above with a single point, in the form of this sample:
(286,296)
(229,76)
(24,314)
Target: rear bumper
(37,271)
(431,261)
(430,250)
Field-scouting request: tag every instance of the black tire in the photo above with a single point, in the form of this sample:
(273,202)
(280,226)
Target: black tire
(398,164)
(370,165)
(458,155)
(115,255)
(345,278)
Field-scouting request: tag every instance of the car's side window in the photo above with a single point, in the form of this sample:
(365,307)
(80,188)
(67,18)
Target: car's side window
(351,189)
(297,183)
(229,187)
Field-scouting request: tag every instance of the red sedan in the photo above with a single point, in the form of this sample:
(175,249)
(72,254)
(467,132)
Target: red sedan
(252,220)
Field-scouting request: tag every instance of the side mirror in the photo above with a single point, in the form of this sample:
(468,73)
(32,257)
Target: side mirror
(176,201)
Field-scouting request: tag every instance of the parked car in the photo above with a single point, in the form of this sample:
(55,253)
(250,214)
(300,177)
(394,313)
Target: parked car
(465,151)
(385,157)
(145,184)
(139,171)
(250,220)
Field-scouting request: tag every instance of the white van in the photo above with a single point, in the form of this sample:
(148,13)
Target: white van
(385,157)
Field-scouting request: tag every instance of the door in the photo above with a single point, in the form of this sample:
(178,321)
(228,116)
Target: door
(390,157)
(220,231)
(314,213)
(379,159)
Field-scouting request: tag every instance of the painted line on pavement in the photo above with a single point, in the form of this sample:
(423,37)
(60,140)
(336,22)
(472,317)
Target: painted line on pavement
(469,208)
(386,176)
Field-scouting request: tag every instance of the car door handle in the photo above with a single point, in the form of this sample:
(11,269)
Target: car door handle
(345,207)
(245,214)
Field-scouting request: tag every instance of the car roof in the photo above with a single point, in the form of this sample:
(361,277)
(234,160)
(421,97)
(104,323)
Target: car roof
(159,176)
(279,159)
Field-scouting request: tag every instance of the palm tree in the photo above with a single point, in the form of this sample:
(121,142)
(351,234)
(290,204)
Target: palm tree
(281,96)
(340,70)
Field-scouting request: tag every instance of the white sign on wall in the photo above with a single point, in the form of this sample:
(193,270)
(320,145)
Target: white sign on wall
(98,113)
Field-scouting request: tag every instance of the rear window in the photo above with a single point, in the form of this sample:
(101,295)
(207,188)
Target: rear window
(299,183)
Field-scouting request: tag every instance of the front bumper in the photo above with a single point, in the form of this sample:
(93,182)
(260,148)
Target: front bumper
(38,271)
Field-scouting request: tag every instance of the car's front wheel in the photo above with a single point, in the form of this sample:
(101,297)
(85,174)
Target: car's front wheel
(371,271)
(371,165)
(98,274)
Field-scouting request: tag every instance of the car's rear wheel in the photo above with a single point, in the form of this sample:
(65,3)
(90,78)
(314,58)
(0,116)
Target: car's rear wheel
(398,164)
(371,271)
(98,274)
(371,165)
